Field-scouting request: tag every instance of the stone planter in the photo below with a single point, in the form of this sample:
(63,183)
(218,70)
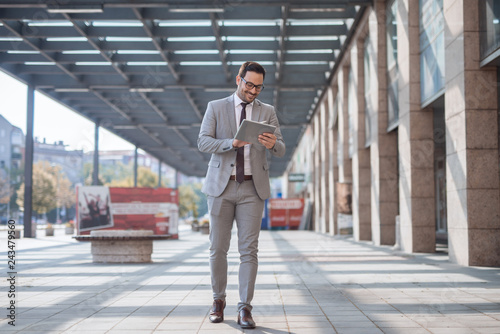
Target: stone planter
(205,229)
(118,246)
(49,232)
(69,230)
(195,227)
(17,234)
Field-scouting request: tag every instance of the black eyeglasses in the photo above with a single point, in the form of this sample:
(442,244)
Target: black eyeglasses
(251,86)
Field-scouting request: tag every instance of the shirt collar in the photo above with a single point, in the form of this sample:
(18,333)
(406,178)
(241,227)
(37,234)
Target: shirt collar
(238,101)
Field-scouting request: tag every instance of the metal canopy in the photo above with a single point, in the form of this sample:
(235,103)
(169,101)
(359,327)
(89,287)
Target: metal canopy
(145,70)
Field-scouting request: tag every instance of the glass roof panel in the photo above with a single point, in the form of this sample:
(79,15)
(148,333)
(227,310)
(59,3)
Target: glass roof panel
(192,39)
(127,39)
(146,63)
(200,63)
(66,39)
(249,51)
(310,51)
(35,63)
(137,52)
(297,22)
(190,52)
(117,24)
(81,52)
(248,38)
(173,23)
(93,63)
(313,38)
(249,23)
(23,52)
(306,62)
(48,23)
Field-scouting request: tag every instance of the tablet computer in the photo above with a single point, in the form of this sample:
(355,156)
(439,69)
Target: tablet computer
(249,131)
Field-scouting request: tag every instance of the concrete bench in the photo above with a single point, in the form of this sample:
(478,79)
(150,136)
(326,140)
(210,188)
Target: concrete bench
(119,246)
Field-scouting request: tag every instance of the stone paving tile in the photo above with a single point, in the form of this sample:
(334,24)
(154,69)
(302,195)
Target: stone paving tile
(138,323)
(451,330)
(487,330)
(307,283)
(311,331)
(359,330)
(397,330)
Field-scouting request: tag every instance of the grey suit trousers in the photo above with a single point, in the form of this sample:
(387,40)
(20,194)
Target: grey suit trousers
(238,202)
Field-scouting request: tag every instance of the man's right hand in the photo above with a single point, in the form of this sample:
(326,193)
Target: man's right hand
(239,143)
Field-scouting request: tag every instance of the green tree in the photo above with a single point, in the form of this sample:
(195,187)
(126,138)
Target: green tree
(65,194)
(5,187)
(188,201)
(51,189)
(44,189)
(145,178)
(87,174)
(202,199)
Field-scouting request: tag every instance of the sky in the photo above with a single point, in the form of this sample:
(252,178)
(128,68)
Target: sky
(53,121)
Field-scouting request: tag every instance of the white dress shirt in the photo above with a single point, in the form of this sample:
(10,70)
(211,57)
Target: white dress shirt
(237,112)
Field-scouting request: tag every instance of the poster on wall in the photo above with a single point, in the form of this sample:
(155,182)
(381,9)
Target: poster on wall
(286,213)
(94,210)
(134,209)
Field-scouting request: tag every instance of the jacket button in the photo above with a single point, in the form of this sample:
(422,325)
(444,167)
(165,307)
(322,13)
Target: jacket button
(232,165)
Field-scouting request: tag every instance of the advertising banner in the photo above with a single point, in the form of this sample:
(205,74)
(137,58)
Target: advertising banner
(286,213)
(101,207)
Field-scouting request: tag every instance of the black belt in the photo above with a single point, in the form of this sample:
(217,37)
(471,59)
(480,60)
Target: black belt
(246,177)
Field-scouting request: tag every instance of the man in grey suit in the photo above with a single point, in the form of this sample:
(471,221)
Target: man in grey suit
(237,184)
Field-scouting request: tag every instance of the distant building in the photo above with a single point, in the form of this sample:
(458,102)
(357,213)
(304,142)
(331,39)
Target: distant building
(71,162)
(11,147)
(126,157)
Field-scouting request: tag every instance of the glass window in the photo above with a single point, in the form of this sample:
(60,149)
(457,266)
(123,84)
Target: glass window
(392,66)
(489,13)
(431,50)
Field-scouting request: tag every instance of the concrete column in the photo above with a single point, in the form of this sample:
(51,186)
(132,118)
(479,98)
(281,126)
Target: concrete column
(318,218)
(159,173)
(95,171)
(333,170)
(28,169)
(135,167)
(324,166)
(345,166)
(416,146)
(384,146)
(471,107)
(361,158)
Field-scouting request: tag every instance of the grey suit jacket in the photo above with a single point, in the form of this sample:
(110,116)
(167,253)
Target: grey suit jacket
(216,136)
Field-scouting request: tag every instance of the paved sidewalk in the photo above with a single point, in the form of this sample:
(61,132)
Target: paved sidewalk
(307,283)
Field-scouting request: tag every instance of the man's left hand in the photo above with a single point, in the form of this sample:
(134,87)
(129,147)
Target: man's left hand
(267,139)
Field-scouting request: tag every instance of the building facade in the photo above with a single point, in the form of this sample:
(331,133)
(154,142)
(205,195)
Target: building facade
(410,128)
(11,162)
(126,157)
(11,145)
(70,161)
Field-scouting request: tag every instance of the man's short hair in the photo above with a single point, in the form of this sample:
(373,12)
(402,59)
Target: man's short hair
(251,66)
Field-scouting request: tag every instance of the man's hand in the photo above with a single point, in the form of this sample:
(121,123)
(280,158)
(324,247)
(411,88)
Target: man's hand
(267,139)
(239,143)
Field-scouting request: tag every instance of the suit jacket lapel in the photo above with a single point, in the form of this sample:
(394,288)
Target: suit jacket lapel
(256,111)
(230,113)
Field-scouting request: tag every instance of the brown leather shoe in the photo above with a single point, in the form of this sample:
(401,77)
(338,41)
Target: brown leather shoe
(245,319)
(217,311)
